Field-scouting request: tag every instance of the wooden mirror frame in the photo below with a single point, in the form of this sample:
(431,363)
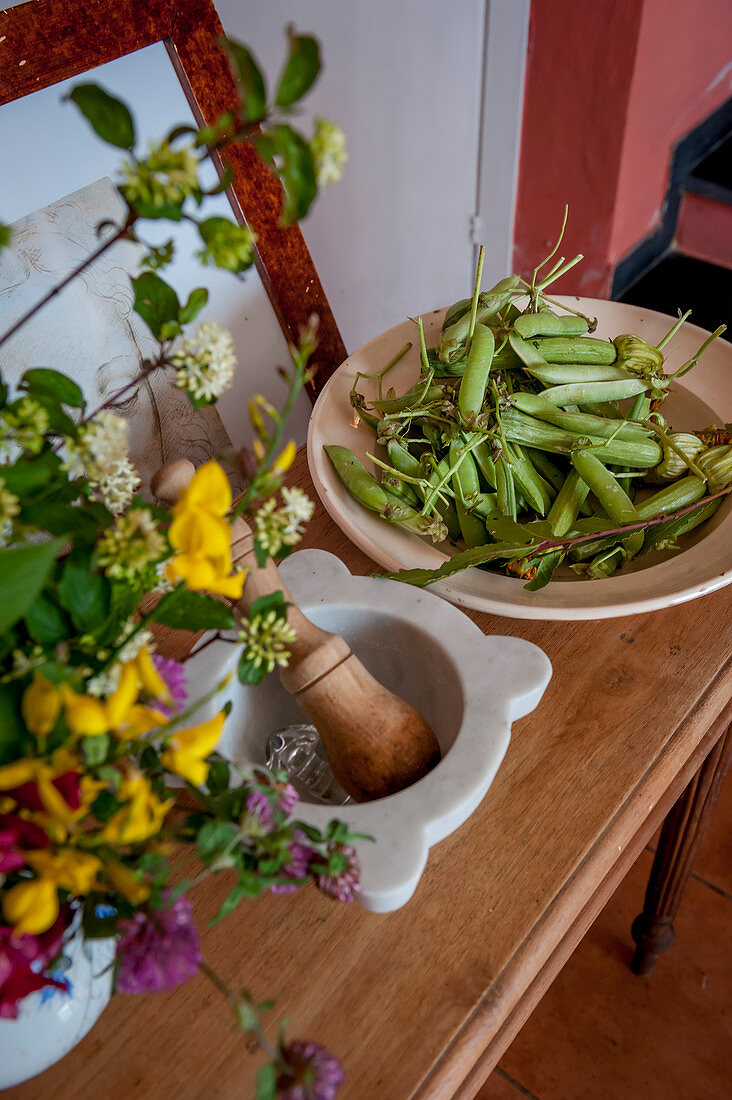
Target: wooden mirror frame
(43,42)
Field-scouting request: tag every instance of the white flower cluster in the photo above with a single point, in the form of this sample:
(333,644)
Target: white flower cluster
(9,508)
(133,544)
(266,638)
(101,453)
(329,152)
(206,363)
(136,642)
(165,176)
(277,527)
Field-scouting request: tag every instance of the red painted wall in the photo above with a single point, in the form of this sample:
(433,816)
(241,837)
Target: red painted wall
(610,86)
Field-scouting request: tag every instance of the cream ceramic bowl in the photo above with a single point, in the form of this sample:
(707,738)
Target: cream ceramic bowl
(469,687)
(701,398)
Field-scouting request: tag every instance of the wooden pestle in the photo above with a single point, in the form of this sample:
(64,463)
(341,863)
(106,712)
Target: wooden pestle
(375,742)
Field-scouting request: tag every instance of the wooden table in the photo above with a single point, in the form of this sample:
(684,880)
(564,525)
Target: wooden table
(422,1002)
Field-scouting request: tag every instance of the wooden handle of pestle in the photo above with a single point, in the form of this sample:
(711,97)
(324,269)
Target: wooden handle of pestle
(375,742)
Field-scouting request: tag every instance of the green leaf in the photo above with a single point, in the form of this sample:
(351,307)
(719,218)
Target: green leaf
(29,474)
(267,1082)
(248,672)
(477,555)
(52,383)
(15,741)
(273,601)
(546,565)
(6,235)
(219,775)
(230,903)
(108,116)
(46,621)
(249,79)
(61,519)
(196,301)
(170,210)
(155,301)
(95,751)
(23,573)
(85,594)
(301,69)
(295,167)
(186,610)
(214,838)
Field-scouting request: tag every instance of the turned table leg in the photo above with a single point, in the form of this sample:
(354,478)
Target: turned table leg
(681,836)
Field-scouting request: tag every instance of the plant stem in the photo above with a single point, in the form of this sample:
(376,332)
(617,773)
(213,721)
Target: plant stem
(122,232)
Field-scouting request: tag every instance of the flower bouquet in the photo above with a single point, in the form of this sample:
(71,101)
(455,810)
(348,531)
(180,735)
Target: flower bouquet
(106,772)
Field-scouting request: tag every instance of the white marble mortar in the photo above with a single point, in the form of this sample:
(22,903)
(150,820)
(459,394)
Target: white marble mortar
(470,687)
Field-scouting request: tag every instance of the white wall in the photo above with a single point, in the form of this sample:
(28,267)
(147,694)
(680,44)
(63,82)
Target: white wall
(403,79)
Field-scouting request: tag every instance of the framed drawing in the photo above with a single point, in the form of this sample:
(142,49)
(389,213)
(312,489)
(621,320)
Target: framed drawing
(46,42)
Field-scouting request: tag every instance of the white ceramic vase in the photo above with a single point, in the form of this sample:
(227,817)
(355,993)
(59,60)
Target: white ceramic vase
(51,1022)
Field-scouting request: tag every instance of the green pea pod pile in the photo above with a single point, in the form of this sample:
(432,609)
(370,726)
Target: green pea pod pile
(527,442)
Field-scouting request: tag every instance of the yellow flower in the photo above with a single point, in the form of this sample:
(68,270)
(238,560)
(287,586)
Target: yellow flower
(69,868)
(41,705)
(85,715)
(31,907)
(202,537)
(142,815)
(150,678)
(126,882)
(187,750)
(43,774)
(286,459)
(120,714)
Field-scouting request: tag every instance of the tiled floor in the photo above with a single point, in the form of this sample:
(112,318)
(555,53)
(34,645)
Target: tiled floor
(600,1033)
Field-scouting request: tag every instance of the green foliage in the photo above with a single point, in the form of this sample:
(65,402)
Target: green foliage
(285,150)
(196,301)
(216,842)
(94,751)
(23,573)
(108,116)
(249,79)
(273,601)
(43,382)
(6,235)
(159,256)
(46,622)
(184,610)
(29,475)
(228,244)
(15,741)
(267,1082)
(156,302)
(84,593)
(301,69)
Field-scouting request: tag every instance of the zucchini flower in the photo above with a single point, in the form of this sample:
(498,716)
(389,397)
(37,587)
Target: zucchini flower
(716,465)
(672,465)
(636,354)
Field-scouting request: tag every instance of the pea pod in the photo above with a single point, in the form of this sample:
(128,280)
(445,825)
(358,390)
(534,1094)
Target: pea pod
(452,339)
(609,492)
(664,533)
(559,374)
(574,349)
(583,423)
(465,482)
(474,382)
(672,497)
(546,323)
(535,433)
(402,460)
(505,489)
(567,504)
(531,485)
(420,394)
(582,393)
